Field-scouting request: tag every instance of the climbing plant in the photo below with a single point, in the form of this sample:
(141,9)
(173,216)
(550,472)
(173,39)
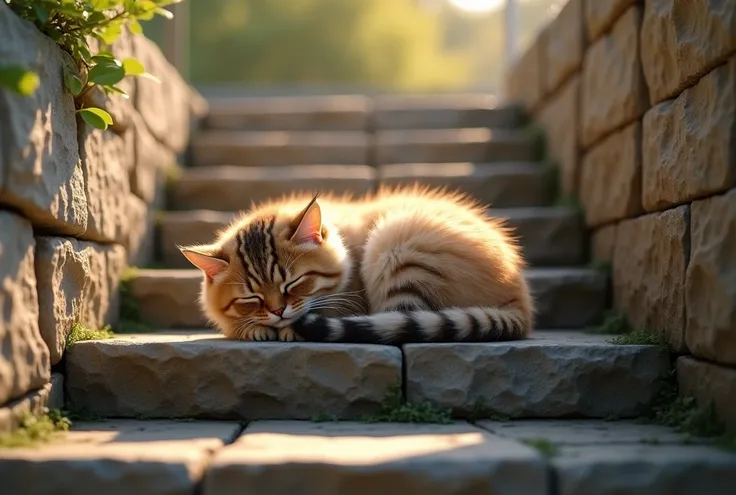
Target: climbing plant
(72,24)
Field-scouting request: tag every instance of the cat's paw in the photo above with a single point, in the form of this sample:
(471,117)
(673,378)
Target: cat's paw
(289,335)
(260,334)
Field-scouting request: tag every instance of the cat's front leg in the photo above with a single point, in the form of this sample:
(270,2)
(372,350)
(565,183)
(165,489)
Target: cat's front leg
(259,333)
(289,335)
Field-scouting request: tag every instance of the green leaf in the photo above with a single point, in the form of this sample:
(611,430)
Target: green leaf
(96,117)
(164,13)
(106,73)
(135,26)
(73,84)
(111,32)
(103,57)
(18,79)
(41,13)
(133,67)
(115,89)
(150,76)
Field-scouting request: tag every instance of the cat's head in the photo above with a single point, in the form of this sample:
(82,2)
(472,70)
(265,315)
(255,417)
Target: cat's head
(270,267)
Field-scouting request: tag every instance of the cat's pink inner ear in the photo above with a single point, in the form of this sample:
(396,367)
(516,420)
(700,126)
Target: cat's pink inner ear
(310,226)
(210,265)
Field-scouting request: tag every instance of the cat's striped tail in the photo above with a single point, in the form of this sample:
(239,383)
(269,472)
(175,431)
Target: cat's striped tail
(482,324)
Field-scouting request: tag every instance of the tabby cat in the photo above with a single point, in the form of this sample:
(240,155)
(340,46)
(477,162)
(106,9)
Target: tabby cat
(398,266)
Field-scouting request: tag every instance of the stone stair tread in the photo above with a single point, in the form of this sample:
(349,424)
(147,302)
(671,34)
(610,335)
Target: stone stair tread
(548,235)
(572,297)
(554,373)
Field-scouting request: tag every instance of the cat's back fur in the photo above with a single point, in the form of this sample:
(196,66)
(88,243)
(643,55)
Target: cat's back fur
(406,265)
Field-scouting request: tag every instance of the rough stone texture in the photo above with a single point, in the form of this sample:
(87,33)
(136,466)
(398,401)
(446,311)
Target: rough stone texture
(613,89)
(475,145)
(24,358)
(339,458)
(234,188)
(524,81)
(563,50)
(649,272)
(168,298)
(550,375)
(600,15)
(307,113)
(77,282)
(499,185)
(56,394)
(184,228)
(117,457)
(611,177)
(709,384)
(604,243)
(203,375)
(560,117)
(690,143)
(264,149)
(150,164)
(139,241)
(710,284)
(40,173)
(681,41)
(13,412)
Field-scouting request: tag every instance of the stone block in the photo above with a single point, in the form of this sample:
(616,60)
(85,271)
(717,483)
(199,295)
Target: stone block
(560,117)
(77,283)
(139,241)
(40,173)
(24,358)
(689,146)
(710,384)
(150,164)
(56,392)
(565,43)
(524,81)
(600,15)
(610,180)
(613,89)
(604,243)
(649,263)
(251,380)
(13,412)
(338,458)
(710,284)
(682,41)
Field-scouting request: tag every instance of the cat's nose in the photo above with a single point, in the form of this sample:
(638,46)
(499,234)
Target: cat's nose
(278,312)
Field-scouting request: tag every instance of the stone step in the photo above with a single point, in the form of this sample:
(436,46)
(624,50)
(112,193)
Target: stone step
(201,375)
(475,145)
(268,148)
(565,297)
(552,236)
(316,113)
(232,188)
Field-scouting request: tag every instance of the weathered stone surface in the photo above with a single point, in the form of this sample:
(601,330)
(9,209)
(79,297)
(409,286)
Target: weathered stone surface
(690,143)
(499,185)
(362,459)
(13,412)
(203,375)
(24,358)
(139,241)
(659,470)
(184,228)
(234,188)
(273,148)
(549,375)
(560,118)
(56,394)
(613,89)
(115,457)
(681,41)
(307,113)
(710,284)
(563,50)
(524,81)
(168,298)
(610,180)
(710,384)
(475,145)
(77,283)
(649,272)
(40,173)
(604,243)
(600,15)
(149,166)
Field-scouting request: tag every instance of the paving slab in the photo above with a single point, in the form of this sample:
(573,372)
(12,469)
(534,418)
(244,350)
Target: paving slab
(434,113)
(117,457)
(362,459)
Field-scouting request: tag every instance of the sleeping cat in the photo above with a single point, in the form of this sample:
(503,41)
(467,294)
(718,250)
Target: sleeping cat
(400,266)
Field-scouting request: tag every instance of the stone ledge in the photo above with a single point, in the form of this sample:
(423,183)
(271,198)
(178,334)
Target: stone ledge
(11,413)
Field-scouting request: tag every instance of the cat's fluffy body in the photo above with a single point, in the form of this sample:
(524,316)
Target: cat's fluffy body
(403,265)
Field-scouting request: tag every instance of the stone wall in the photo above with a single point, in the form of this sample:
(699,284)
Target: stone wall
(76,204)
(638,99)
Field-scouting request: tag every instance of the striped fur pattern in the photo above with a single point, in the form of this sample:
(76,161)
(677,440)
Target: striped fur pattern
(398,266)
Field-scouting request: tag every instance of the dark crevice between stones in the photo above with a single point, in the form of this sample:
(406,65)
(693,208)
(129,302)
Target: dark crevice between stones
(553,485)
(199,484)
(403,376)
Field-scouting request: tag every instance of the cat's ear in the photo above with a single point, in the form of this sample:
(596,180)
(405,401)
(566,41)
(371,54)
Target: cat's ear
(308,225)
(203,258)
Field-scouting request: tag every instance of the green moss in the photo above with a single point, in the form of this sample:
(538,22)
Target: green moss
(36,429)
(569,201)
(614,323)
(537,137)
(393,409)
(173,174)
(642,337)
(544,446)
(600,266)
(130,320)
(81,332)
(324,418)
(481,411)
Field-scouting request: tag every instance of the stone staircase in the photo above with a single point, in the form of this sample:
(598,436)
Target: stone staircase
(195,412)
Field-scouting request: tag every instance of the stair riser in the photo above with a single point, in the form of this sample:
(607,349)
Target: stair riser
(500,118)
(206,154)
(314,120)
(444,152)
